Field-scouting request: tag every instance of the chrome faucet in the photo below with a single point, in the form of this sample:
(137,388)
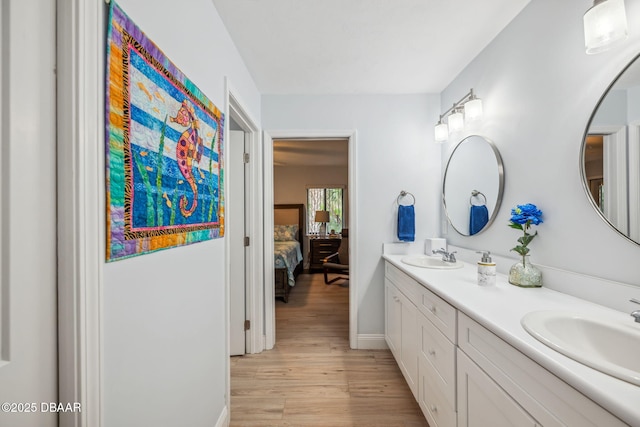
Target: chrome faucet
(446,256)
(635,314)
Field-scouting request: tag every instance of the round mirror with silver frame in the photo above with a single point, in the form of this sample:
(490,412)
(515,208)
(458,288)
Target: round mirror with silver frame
(610,154)
(473,184)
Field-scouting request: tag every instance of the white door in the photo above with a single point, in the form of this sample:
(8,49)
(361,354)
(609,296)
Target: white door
(236,220)
(28,323)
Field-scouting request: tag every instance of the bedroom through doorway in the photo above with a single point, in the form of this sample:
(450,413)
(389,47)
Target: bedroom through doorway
(312,175)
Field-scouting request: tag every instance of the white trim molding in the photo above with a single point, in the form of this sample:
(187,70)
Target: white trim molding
(223,419)
(254,302)
(254,295)
(81,240)
(633,147)
(615,176)
(269,307)
(372,342)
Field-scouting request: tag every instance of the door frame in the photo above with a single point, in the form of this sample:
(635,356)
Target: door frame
(633,151)
(254,339)
(81,207)
(253,210)
(269,295)
(614,161)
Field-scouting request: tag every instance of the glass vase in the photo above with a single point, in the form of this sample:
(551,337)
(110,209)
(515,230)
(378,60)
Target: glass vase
(525,274)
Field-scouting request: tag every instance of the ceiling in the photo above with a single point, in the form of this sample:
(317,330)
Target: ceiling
(361,46)
(311,152)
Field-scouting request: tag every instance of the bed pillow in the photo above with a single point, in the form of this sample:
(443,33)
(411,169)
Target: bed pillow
(285,233)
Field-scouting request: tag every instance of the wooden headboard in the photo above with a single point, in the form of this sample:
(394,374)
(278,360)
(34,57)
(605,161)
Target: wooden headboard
(291,214)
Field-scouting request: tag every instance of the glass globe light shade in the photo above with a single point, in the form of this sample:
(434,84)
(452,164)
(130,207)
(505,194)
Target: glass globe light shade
(441,132)
(605,24)
(473,109)
(456,122)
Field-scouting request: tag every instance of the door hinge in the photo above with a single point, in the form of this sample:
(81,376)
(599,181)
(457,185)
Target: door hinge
(247,325)
(246,241)
(245,157)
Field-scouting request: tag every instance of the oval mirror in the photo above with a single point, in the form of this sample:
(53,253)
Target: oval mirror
(472,185)
(610,154)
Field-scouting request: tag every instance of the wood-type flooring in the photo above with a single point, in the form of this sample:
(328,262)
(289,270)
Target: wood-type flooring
(312,378)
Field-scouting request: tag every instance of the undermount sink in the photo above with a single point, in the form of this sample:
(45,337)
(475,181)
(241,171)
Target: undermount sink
(608,344)
(425,261)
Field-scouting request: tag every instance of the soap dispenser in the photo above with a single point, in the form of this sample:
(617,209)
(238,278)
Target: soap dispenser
(486,270)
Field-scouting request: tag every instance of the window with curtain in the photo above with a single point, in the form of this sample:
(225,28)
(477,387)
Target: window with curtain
(325,199)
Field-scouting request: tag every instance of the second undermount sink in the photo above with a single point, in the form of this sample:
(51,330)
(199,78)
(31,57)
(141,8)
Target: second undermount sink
(608,344)
(425,261)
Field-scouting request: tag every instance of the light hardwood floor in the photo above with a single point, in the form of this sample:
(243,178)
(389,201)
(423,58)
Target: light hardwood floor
(312,378)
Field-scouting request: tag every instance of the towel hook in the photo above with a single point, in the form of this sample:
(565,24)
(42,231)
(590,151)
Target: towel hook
(476,193)
(404,194)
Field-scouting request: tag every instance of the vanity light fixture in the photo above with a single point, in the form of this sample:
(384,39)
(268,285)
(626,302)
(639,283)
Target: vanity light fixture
(456,121)
(605,24)
(441,131)
(472,107)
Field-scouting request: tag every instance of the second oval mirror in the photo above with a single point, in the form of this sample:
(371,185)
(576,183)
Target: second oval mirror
(472,185)
(610,156)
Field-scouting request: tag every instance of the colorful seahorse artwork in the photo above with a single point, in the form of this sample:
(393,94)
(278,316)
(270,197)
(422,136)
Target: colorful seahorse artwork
(164,149)
(188,149)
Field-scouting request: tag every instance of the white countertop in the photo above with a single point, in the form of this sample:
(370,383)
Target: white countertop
(499,308)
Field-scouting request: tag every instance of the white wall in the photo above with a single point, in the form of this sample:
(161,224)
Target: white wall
(539,89)
(164,313)
(634,104)
(290,182)
(613,110)
(394,152)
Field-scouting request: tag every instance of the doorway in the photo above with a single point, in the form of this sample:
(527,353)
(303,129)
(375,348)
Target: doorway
(308,137)
(244,190)
(605,165)
(237,233)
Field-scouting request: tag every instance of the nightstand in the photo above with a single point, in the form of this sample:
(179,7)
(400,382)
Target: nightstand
(320,249)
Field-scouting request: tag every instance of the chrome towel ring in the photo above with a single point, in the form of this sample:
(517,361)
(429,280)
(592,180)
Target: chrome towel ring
(476,193)
(404,194)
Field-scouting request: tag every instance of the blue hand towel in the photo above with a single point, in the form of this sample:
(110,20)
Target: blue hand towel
(406,223)
(478,218)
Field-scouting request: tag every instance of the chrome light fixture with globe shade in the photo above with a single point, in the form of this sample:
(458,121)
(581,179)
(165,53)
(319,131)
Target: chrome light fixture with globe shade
(469,108)
(605,25)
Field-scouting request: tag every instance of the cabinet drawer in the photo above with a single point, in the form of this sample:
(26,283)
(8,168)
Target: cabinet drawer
(438,355)
(432,401)
(408,286)
(333,243)
(547,398)
(441,313)
(322,253)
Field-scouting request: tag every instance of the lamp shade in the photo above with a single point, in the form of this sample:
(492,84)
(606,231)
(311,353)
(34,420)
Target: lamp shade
(322,216)
(604,25)
(456,122)
(473,109)
(441,132)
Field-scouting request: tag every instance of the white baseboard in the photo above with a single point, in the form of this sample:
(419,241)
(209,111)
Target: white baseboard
(223,419)
(372,342)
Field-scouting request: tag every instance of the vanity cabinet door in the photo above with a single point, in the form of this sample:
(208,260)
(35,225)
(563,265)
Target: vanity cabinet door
(401,330)
(482,403)
(393,318)
(409,343)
